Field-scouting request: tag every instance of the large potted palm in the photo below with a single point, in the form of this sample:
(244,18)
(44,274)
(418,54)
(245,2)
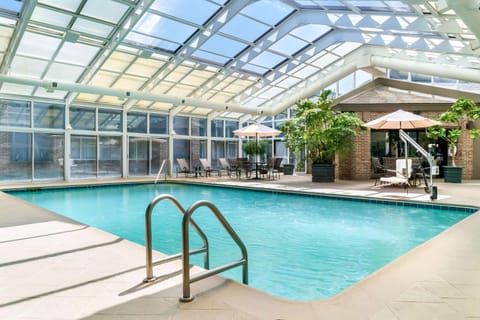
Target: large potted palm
(457,117)
(322,133)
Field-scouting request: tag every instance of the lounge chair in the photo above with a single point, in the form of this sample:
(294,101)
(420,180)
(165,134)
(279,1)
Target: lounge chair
(206,167)
(403,174)
(225,167)
(184,168)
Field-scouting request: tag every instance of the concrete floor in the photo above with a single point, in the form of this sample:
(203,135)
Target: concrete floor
(55,268)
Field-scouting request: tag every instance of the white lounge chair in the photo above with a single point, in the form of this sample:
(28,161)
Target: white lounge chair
(403,174)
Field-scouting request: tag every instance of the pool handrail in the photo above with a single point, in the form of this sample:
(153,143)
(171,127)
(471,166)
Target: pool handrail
(148,238)
(187,278)
(164,163)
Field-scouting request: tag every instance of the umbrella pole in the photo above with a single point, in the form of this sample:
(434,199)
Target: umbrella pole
(256,155)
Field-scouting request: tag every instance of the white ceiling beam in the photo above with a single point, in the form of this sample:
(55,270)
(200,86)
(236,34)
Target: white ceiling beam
(27,10)
(123,94)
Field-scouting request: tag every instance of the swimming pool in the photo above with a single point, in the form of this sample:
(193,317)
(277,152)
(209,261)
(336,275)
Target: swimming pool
(300,247)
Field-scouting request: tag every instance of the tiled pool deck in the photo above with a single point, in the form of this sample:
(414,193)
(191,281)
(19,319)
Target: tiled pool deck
(54,268)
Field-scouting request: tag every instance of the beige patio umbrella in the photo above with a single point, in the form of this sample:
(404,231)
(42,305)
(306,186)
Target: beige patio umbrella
(401,119)
(256,130)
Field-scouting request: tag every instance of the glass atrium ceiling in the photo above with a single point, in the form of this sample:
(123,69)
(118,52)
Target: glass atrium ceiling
(225,58)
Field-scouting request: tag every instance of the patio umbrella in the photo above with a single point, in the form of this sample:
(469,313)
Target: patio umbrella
(401,119)
(256,130)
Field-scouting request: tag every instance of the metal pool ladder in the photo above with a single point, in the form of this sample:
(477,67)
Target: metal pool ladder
(187,220)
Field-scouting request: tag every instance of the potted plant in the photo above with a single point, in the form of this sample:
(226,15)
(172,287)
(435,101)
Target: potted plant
(321,132)
(253,148)
(459,114)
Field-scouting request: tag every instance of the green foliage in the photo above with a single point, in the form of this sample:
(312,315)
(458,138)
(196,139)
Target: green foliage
(460,113)
(251,148)
(320,130)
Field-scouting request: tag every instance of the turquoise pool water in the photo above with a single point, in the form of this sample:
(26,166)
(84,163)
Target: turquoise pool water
(300,247)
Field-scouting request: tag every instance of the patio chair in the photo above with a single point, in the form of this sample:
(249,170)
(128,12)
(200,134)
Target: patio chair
(418,172)
(183,167)
(379,171)
(403,174)
(273,168)
(244,165)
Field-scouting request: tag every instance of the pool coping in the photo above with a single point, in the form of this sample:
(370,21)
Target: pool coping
(302,192)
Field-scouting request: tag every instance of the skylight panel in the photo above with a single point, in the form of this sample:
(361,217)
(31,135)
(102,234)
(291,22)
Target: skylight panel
(12,88)
(11,7)
(118,62)
(129,83)
(151,42)
(37,45)
(399,6)
(70,5)
(221,97)
(103,79)
(271,92)
(51,17)
(268,11)
(346,48)
(64,72)
(27,66)
(145,67)
(235,87)
(305,3)
(311,32)
(181,90)
(90,27)
(306,72)
(325,60)
(244,28)
(196,11)
(255,69)
(5,35)
(164,28)
(7,22)
(207,56)
(370,5)
(332,5)
(107,10)
(222,45)
(267,59)
(192,80)
(289,82)
(288,45)
(77,53)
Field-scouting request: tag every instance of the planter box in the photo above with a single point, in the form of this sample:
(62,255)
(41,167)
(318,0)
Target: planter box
(288,169)
(323,172)
(452,174)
